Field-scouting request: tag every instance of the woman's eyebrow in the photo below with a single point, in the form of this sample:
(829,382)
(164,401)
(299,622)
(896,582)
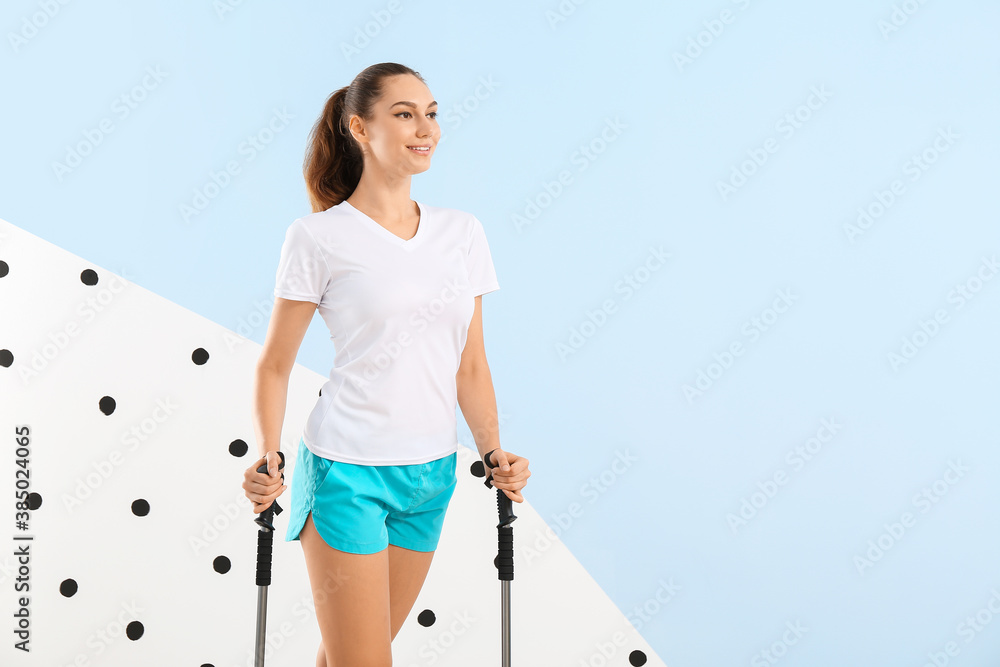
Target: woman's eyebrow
(414,106)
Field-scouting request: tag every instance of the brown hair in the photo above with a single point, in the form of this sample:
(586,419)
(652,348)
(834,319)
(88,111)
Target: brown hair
(333,163)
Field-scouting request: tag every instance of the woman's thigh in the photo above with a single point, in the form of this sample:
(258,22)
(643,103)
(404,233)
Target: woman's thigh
(351,594)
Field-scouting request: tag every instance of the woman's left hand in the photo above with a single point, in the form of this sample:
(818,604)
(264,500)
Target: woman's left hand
(512,479)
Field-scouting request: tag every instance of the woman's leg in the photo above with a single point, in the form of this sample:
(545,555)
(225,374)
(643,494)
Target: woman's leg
(407,571)
(351,594)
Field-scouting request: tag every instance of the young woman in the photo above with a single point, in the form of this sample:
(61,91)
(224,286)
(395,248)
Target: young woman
(399,285)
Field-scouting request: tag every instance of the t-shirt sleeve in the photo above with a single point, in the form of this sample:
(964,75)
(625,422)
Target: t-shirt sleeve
(482,274)
(303,274)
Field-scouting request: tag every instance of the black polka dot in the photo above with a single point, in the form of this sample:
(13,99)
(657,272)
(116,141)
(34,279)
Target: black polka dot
(238,447)
(200,356)
(6,358)
(134,630)
(67,588)
(34,500)
(88,277)
(4,269)
(140,507)
(426,618)
(221,564)
(637,658)
(107,405)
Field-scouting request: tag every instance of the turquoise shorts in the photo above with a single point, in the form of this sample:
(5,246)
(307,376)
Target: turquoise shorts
(362,509)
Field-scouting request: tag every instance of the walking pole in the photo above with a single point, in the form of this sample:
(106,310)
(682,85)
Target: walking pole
(264,536)
(504,561)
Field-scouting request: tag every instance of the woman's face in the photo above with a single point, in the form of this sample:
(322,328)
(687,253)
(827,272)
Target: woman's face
(404,119)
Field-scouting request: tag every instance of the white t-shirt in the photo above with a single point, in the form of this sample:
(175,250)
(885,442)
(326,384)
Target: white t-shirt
(398,312)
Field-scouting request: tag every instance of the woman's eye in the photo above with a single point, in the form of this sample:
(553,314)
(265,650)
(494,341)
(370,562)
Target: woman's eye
(407,113)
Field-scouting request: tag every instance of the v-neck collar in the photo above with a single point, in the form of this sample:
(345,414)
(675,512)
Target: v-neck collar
(407,244)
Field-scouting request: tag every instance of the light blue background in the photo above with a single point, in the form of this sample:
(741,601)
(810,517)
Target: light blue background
(555,87)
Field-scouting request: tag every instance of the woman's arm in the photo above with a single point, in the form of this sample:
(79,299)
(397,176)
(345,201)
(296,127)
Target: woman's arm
(479,405)
(476,396)
(287,328)
(288,325)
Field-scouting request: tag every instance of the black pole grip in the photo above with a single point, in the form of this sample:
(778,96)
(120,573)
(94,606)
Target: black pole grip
(504,562)
(265,535)
(264,539)
(505,539)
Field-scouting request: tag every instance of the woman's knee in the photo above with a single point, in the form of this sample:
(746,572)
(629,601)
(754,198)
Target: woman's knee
(367,659)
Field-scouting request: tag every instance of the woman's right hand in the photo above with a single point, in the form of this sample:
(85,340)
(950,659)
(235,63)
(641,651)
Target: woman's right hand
(262,488)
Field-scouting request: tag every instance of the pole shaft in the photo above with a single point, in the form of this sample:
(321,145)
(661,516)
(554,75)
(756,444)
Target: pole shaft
(258,652)
(505,623)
